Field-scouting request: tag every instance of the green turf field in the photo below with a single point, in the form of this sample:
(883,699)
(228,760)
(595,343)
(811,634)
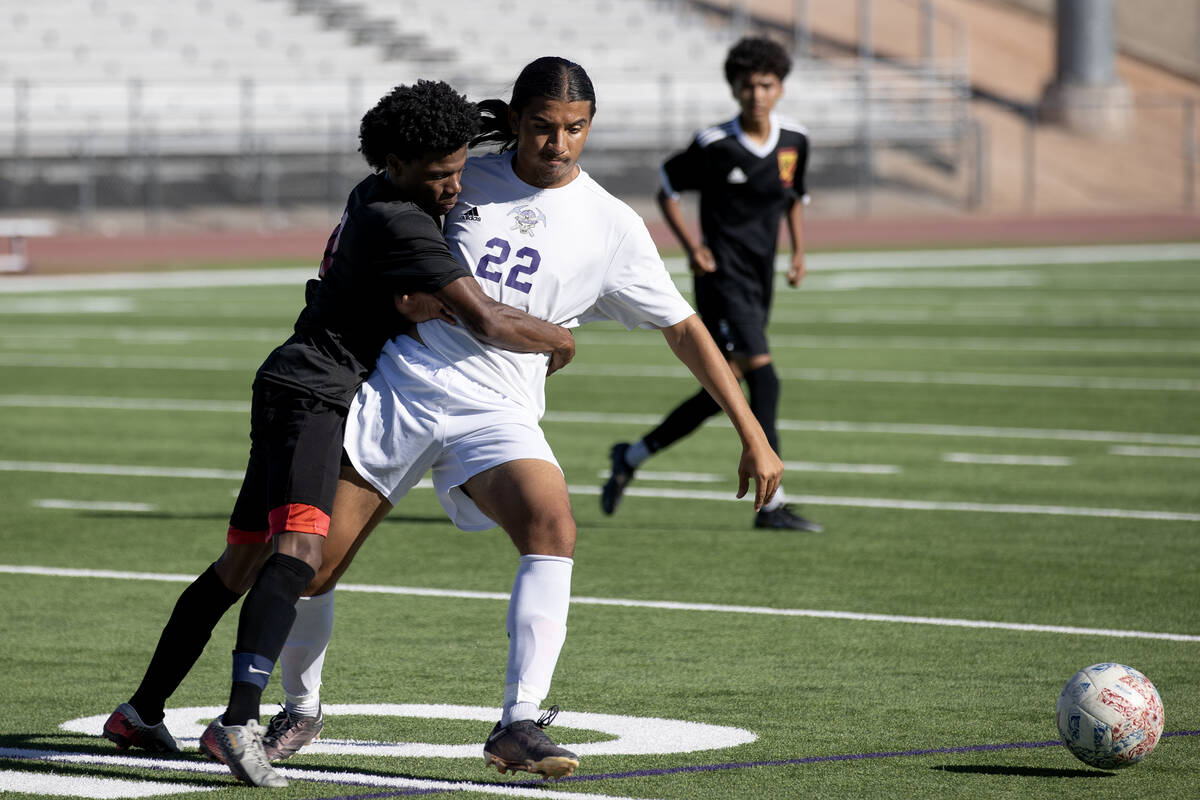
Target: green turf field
(1006,457)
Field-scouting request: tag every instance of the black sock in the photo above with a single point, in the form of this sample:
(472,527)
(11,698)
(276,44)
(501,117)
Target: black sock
(196,613)
(764,400)
(687,417)
(263,627)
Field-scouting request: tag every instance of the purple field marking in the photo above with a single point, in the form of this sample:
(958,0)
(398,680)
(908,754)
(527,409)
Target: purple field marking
(383,795)
(786,762)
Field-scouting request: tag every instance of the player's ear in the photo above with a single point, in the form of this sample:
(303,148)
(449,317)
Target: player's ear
(514,121)
(735,87)
(396,167)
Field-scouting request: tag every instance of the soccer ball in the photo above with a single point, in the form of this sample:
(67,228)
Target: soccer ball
(1109,715)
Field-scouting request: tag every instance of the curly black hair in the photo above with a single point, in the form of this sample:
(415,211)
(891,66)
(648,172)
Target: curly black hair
(756,54)
(427,118)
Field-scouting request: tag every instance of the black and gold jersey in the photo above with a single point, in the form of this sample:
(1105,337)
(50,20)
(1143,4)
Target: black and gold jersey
(745,189)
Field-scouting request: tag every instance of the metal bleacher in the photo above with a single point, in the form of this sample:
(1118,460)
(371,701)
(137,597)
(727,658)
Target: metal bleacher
(238,87)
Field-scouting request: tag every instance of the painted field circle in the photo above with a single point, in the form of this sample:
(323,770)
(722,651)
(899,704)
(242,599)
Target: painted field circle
(633,735)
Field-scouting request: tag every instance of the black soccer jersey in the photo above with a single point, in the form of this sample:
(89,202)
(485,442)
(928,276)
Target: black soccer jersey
(384,245)
(745,188)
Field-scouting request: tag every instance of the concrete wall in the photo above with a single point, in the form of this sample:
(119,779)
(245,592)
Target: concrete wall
(1163,32)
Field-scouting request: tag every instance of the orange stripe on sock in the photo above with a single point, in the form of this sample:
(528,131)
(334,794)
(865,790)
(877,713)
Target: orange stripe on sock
(300,518)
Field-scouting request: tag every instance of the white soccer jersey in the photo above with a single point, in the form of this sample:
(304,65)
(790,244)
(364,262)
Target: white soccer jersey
(568,255)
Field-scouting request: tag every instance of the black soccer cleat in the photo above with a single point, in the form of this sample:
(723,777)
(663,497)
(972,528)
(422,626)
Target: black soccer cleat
(523,745)
(783,517)
(125,729)
(622,474)
(288,731)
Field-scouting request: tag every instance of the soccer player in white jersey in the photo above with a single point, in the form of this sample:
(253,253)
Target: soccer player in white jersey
(539,234)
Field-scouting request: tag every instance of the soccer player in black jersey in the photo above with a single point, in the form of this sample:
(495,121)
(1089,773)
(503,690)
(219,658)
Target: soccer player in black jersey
(749,172)
(387,248)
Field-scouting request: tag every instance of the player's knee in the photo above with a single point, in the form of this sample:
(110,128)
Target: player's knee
(747,364)
(550,532)
(326,577)
(763,381)
(307,547)
(238,565)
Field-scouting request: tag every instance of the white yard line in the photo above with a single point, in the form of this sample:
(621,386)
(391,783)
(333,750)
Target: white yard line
(793,466)
(998,257)
(901,504)
(919,377)
(183,279)
(1000,344)
(666,605)
(1008,460)
(67,305)
(179,364)
(122,403)
(42,784)
(122,470)
(1166,440)
(852,469)
(660,493)
(182,334)
(294,773)
(92,505)
(981,431)
(987,319)
(1156,452)
(816,262)
(193,334)
(914,279)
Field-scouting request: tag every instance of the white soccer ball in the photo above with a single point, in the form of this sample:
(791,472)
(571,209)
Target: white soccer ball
(1109,715)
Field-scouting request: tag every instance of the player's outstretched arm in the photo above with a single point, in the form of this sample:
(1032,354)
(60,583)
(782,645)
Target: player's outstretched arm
(692,344)
(504,326)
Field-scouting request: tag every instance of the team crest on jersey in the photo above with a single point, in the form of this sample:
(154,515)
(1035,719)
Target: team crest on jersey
(787,166)
(526,218)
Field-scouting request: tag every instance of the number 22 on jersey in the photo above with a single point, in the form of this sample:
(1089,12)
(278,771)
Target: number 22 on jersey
(525,262)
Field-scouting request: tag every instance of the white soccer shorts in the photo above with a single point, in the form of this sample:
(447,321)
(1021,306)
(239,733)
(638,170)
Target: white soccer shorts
(416,413)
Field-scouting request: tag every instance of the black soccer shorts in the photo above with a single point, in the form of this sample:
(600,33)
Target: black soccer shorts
(735,317)
(292,474)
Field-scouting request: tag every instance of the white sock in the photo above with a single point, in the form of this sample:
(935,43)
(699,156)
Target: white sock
(637,453)
(775,502)
(537,628)
(303,654)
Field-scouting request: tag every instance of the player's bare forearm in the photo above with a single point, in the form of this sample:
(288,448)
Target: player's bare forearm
(700,258)
(673,214)
(693,346)
(691,343)
(422,307)
(795,226)
(507,327)
(513,329)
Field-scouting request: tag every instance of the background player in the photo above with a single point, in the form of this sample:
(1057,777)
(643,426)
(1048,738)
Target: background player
(388,243)
(749,172)
(543,236)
